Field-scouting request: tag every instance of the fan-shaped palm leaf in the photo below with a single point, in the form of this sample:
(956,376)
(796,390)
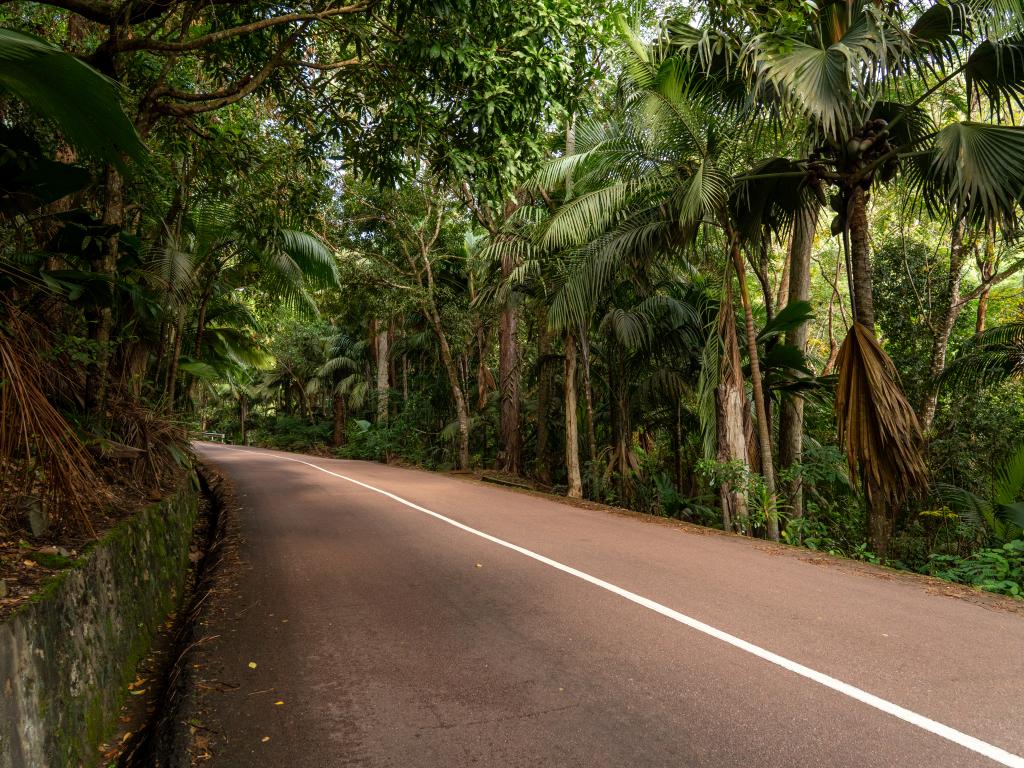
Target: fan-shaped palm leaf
(978,169)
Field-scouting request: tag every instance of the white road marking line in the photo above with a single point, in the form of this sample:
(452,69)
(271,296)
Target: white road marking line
(990,751)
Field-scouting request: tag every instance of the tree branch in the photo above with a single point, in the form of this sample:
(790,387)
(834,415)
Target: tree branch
(209,102)
(998,277)
(202,41)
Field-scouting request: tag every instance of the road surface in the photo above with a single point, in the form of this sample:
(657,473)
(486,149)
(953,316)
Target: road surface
(407,619)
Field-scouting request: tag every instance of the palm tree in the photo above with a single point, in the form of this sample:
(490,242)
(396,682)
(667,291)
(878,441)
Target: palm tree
(340,376)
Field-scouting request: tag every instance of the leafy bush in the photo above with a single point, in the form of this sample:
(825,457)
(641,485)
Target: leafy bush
(400,438)
(290,433)
(998,570)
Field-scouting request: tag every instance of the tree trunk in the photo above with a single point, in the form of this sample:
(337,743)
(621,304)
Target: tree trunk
(944,329)
(544,387)
(405,378)
(677,446)
(860,256)
(622,426)
(172,374)
(757,389)
(102,322)
(338,427)
(201,321)
(243,412)
(791,417)
(458,395)
(979,322)
(511,456)
(572,438)
(880,525)
(730,434)
(588,397)
(382,373)
(986,270)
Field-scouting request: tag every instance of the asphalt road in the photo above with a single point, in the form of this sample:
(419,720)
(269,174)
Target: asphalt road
(409,619)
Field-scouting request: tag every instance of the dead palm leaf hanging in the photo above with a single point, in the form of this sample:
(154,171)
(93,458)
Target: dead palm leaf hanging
(877,426)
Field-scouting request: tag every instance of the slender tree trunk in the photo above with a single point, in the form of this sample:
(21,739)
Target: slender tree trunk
(588,396)
(986,270)
(791,417)
(544,387)
(756,385)
(454,382)
(172,374)
(103,319)
(383,383)
(511,456)
(243,412)
(572,442)
(622,426)
(677,446)
(405,378)
(730,434)
(944,329)
(338,429)
(201,321)
(572,439)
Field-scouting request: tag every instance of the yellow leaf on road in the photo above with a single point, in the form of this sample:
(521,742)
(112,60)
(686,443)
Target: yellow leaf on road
(252,665)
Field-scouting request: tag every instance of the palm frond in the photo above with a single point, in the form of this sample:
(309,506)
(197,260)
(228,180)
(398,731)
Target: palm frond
(978,170)
(637,56)
(84,104)
(1008,483)
(995,72)
(988,358)
(585,217)
(877,426)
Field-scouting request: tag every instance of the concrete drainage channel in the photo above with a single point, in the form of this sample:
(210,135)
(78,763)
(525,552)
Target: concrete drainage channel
(163,742)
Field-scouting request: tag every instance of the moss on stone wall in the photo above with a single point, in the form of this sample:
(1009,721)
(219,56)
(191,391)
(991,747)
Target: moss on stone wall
(66,658)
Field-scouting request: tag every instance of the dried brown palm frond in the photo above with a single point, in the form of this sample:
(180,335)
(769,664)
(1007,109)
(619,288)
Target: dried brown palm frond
(41,458)
(877,427)
(162,441)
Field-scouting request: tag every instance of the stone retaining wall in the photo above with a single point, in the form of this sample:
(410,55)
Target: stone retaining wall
(67,657)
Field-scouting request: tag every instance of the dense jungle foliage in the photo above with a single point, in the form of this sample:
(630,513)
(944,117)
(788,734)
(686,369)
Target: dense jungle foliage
(750,266)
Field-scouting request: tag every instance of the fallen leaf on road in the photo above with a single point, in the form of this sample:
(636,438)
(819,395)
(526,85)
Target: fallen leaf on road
(252,665)
(278,703)
(479,565)
(265,739)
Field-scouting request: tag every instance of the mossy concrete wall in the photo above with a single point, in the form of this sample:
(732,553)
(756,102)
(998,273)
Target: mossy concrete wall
(67,657)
